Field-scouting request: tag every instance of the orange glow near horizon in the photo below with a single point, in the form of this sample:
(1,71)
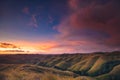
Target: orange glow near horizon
(41,47)
(28,47)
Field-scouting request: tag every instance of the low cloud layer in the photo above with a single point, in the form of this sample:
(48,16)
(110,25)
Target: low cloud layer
(9,48)
(7,45)
(11,51)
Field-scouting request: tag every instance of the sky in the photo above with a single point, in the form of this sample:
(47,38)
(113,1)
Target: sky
(59,26)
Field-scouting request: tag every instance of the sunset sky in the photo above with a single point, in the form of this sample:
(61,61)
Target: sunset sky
(59,26)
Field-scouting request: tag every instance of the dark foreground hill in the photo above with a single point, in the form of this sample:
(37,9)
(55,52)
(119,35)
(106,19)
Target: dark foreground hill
(98,66)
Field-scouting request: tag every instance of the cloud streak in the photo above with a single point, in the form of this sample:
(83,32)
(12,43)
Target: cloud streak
(11,51)
(7,45)
(11,48)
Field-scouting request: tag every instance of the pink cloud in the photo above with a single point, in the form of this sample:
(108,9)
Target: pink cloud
(92,22)
(26,10)
(73,4)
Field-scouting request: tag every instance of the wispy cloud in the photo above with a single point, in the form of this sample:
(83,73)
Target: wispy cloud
(33,21)
(32,17)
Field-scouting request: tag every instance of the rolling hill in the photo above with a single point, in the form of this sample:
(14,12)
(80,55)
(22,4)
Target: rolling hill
(98,66)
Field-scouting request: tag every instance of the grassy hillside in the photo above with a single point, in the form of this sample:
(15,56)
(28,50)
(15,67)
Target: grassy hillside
(114,74)
(33,72)
(99,66)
